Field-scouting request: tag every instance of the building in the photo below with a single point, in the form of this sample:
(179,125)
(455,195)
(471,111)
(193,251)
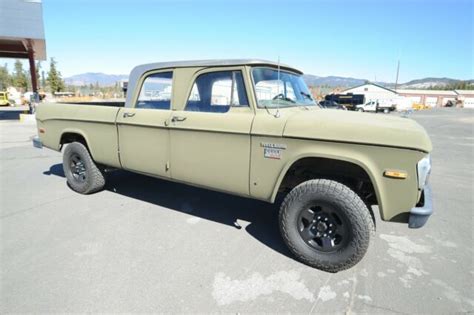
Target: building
(375,92)
(405,97)
(22,33)
(466,97)
(432,98)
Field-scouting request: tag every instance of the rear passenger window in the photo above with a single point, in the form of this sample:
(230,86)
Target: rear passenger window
(216,92)
(156,91)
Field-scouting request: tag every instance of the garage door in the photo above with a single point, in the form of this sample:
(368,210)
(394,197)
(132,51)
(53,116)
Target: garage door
(469,102)
(447,99)
(431,101)
(415,99)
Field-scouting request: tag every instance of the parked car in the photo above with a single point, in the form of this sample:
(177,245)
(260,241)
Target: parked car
(227,125)
(331,105)
(376,106)
(4,99)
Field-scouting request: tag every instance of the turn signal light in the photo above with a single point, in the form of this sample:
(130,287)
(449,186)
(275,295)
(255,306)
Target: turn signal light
(395,174)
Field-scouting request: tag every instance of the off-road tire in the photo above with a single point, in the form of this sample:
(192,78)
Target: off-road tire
(94,177)
(338,196)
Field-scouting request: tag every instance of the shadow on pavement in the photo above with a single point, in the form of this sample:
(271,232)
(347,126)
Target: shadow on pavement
(206,204)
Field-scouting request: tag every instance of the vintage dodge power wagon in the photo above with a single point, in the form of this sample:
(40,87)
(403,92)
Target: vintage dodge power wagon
(252,128)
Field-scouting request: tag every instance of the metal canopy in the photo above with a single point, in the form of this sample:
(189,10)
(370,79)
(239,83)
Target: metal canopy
(22,32)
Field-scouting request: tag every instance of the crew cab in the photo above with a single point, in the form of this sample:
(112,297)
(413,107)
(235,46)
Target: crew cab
(251,128)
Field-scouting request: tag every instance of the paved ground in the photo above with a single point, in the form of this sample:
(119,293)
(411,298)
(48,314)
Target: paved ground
(145,245)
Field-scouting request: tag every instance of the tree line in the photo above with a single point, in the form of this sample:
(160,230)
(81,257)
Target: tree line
(460,85)
(21,78)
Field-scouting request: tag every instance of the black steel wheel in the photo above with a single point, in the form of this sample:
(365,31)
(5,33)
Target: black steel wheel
(78,168)
(326,225)
(82,174)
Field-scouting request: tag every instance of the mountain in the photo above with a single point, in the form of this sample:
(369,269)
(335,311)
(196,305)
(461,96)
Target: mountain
(95,77)
(432,82)
(331,81)
(312,80)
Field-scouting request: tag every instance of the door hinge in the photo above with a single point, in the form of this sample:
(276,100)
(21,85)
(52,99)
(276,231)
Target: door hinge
(167,166)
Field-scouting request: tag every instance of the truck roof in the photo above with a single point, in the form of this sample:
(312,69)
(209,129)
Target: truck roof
(138,71)
(210,63)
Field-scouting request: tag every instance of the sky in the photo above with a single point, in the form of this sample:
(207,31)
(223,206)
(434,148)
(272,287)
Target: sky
(361,39)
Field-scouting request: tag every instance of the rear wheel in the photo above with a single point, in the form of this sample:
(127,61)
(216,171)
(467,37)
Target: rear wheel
(82,174)
(326,225)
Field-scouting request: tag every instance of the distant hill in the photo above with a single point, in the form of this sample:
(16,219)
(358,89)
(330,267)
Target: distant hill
(432,82)
(95,77)
(104,79)
(331,81)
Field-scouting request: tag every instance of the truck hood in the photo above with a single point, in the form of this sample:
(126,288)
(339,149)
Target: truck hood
(361,128)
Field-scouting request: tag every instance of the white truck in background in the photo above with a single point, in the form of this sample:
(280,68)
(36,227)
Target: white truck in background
(377,106)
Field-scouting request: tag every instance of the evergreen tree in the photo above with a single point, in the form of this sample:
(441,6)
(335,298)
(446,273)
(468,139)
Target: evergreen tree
(55,82)
(38,68)
(5,77)
(20,79)
(43,80)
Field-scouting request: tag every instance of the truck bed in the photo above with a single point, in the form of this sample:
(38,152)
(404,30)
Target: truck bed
(96,123)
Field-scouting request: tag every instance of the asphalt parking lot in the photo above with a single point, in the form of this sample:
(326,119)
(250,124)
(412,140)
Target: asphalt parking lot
(146,245)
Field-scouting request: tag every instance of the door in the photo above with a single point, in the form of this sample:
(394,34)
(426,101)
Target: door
(143,132)
(210,137)
(370,106)
(431,101)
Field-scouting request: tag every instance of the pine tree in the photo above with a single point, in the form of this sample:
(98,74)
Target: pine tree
(38,68)
(43,80)
(19,76)
(5,77)
(56,83)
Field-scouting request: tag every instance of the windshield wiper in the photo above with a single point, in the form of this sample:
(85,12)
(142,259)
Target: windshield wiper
(283,98)
(307,95)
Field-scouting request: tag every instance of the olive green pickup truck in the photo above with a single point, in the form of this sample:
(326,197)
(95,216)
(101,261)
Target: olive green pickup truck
(251,128)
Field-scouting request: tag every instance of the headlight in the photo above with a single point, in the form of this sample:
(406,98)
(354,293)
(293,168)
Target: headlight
(423,169)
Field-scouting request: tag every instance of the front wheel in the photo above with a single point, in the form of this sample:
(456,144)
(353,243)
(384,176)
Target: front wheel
(360,110)
(82,174)
(326,225)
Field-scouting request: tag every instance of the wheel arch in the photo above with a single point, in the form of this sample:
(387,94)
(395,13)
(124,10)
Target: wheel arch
(74,135)
(356,164)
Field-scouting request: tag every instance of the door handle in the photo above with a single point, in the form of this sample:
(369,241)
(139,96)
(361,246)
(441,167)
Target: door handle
(177,118)
(125,115)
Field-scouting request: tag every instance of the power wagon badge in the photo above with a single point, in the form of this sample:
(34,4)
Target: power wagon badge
(272,150)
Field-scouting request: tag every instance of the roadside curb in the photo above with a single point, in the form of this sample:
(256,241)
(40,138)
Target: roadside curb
(27,118)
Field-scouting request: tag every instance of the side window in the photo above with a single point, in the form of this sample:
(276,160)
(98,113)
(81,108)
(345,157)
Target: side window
(216,92)
(156,91)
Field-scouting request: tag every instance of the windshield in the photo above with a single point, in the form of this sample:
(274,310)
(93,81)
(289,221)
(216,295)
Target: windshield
(275,88)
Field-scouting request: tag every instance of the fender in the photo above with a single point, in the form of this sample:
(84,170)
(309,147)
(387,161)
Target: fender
(331,157)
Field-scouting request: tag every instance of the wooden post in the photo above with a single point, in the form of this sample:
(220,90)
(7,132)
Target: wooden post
(31,59)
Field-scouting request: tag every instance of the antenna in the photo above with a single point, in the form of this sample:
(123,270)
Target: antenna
(398,71)
(277,114)
(278,80)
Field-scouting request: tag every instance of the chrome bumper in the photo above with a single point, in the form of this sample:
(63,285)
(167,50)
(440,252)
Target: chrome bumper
(37,142)
(419,215)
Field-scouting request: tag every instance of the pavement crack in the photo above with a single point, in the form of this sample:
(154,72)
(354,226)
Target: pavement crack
(383,308)
(317,299)
(351,303)
(31,208)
